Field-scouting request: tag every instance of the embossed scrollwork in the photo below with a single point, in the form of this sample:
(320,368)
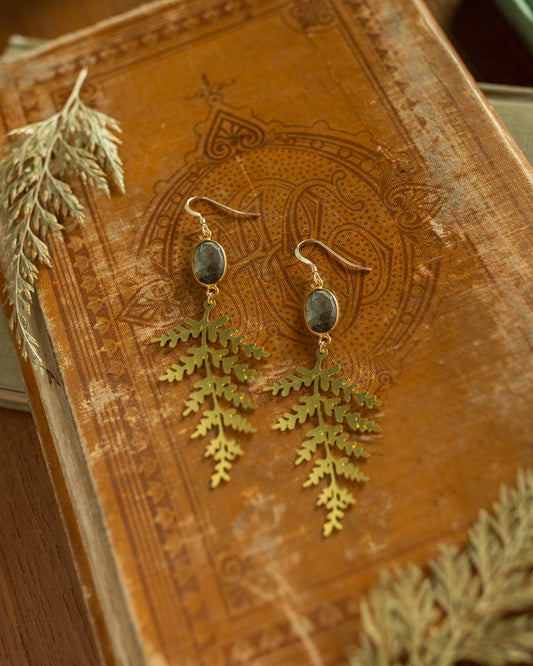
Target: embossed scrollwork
(230,135)
(412,203)
(308,15)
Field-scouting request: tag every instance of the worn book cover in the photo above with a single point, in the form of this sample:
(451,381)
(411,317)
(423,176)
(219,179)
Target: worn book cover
(351,122)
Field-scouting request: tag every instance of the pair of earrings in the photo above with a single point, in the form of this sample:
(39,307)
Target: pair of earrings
(224,356)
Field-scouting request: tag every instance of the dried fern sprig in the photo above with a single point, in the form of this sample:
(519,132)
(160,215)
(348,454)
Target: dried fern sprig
(475,606)
(76,142)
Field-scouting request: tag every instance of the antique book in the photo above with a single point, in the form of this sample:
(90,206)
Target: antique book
(349,122)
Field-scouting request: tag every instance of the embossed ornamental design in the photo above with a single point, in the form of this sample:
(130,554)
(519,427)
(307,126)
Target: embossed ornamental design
(305,182)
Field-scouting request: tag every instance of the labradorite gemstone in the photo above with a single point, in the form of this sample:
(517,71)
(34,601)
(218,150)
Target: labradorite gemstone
(208,262)
(321,311)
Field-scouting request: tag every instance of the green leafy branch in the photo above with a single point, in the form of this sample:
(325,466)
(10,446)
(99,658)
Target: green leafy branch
(76,142)
(332,414)
(475,605)
(220,365)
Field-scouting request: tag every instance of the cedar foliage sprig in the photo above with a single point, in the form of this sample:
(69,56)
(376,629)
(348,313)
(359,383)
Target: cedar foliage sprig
(218,355)
(331,413)
(475,605)
(75,142)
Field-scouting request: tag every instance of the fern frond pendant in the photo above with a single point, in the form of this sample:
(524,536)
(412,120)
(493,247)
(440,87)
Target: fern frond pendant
(218,356)
(330,406)
(215,393)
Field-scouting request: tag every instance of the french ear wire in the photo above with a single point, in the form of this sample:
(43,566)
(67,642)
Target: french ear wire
(316,277)
(206,233)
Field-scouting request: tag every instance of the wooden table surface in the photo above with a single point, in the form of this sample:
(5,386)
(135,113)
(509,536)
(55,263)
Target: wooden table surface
(42,606)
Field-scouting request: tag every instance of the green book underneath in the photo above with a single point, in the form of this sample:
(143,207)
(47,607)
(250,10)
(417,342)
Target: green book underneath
(12,392)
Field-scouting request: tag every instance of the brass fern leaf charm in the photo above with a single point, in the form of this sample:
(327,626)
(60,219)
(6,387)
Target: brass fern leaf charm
(218,356)
(330,406)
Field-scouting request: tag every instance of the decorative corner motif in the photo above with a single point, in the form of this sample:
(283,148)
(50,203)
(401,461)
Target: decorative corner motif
(153,301)
(230,134)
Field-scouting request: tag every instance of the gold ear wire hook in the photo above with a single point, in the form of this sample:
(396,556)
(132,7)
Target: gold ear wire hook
(316,277)
(206,232)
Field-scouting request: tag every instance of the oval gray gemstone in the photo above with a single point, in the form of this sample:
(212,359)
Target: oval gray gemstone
(321,311)
(208,262)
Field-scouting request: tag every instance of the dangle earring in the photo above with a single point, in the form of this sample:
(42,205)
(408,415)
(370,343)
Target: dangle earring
(217,355)
(329,406)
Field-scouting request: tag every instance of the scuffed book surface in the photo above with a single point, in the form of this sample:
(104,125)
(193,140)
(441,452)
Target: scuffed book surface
(344,121)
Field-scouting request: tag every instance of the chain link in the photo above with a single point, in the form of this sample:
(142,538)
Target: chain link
(211,292)
(205,233)
(317,280)
(324,341)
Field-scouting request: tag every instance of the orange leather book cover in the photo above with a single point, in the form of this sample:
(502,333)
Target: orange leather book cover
(351,122)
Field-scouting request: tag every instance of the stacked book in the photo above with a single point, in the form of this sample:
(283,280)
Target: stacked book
(351,122)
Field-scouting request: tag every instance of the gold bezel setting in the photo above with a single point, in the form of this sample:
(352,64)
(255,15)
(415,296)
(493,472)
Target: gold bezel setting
(321,333)
(213,242)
